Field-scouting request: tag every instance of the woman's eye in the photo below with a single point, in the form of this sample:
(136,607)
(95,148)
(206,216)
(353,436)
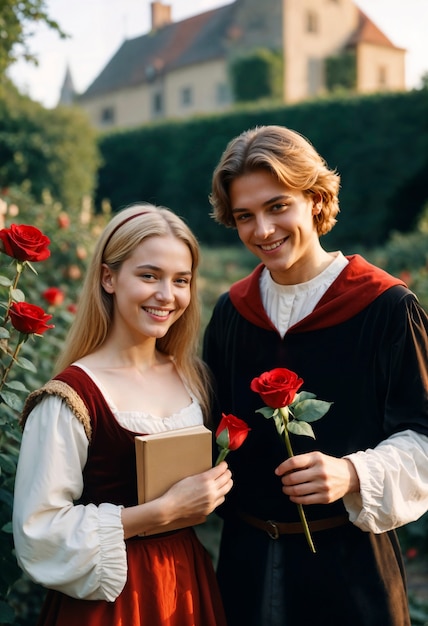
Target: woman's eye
(183,281)
(148,276)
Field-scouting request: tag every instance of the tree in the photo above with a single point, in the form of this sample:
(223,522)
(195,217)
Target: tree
(17,20)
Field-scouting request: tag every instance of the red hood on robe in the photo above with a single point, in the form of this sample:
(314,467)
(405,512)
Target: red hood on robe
(356,287)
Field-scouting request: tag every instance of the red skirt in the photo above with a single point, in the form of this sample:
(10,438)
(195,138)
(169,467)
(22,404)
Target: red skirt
(171,582)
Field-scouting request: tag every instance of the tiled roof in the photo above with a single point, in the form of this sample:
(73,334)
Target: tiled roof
(368,32)
(193,40)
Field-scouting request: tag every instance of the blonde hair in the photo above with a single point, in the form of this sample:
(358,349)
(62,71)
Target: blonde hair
(94,316)
(287,155)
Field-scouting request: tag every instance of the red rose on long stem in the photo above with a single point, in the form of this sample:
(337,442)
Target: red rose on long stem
(230,435)
(292,412)
(29,319)
(278,387)
(24,243)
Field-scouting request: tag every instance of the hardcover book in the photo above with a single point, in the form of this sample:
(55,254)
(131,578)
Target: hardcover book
(165,458)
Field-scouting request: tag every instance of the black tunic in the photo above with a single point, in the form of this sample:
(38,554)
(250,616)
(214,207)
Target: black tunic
(365,349)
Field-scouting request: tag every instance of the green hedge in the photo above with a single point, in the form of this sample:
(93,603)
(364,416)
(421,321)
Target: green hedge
(46,150)
(379,144)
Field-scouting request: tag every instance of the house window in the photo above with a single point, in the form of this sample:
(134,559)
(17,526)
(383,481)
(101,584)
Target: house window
(312,25)
(315,76)
(186,96)
(222,93)
(382,76)
(157,103)
(108,116)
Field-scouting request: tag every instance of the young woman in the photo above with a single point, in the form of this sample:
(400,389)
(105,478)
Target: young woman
(129,367)
(359,339)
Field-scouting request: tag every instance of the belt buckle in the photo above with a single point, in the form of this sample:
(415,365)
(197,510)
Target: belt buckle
(274,533)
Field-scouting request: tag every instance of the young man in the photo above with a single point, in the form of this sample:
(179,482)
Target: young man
(359,339)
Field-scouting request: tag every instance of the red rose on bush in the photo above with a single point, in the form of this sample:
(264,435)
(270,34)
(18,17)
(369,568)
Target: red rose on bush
(54,296)
(230,435)
(63,220)
(29,318)
(278,387)
(24,243)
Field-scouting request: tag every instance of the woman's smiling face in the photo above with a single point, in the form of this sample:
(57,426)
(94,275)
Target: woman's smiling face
(276,224)
(151,290)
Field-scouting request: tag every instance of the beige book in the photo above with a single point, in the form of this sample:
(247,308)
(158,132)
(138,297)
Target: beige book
(165,458)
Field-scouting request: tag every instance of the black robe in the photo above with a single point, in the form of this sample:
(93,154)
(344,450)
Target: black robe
(364,348)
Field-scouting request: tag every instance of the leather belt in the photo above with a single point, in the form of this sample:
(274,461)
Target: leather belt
(274,529)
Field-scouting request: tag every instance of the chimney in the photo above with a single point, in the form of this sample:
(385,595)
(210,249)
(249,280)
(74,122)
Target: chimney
(161,15)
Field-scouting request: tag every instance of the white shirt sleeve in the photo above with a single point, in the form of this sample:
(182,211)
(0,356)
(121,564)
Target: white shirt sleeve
(79,550)
(393,483)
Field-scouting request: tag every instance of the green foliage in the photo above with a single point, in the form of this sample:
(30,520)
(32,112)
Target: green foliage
(379,145)
(72,237)
(46,150)
(341,71)
(257,75)
(17,19)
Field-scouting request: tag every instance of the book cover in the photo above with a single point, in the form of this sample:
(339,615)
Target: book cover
(165,458)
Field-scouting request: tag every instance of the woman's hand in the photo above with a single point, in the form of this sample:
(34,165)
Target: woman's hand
(199,494)
(316,478)
(196,495)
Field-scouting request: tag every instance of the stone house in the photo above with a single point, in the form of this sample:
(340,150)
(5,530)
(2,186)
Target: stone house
(181,69)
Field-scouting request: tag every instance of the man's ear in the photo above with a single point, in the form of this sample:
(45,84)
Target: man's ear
(107,278)
(317,204)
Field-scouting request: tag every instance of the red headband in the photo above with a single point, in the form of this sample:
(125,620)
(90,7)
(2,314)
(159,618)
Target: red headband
(116,228)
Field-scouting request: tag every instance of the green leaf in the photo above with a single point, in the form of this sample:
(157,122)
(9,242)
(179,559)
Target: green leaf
(26,365)
(266,411)
(17,295)
(8,528)
(279,423)
(311,410)
(5,282)
(300,428)
(17,385)
(4,333)
(303,395)
(11,399)
(7,463)
(223,438)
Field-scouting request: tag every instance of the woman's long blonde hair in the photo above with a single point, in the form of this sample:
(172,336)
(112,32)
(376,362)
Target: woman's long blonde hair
(94,316)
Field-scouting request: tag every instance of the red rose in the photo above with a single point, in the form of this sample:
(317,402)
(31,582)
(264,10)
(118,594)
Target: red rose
(235,429)
(29,318)
(278,387)
(24,243)
(54,296)
(63,220)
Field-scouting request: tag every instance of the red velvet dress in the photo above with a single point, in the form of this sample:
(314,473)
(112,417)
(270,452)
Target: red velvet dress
(171,580)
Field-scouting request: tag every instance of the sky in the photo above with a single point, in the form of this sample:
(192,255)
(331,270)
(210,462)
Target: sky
(97,28)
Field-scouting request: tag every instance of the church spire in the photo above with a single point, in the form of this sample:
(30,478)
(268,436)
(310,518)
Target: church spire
(68,92)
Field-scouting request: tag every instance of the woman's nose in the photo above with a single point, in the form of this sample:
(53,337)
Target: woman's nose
(164,292)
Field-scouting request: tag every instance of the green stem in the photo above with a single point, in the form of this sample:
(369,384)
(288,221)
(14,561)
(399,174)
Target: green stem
(222,455)
(19,268)
(284,415)
(11,362)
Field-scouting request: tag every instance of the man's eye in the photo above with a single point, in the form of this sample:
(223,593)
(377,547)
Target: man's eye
(242,217)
